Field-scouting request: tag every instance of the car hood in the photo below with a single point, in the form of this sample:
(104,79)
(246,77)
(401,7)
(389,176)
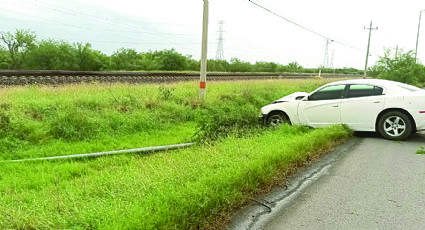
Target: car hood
(292,97)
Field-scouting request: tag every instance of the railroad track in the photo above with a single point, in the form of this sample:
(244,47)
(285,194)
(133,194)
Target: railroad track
(15,78)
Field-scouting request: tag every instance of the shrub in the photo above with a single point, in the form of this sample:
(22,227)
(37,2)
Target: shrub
(74,126)
(219,121)
(4,124)
(401,67)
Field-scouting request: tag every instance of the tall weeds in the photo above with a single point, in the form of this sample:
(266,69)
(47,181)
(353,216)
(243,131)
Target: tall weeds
(33,116)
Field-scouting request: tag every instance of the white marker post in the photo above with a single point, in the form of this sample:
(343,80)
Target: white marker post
(203,80)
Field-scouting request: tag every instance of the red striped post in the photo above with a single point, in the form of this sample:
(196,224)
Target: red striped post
(203,78)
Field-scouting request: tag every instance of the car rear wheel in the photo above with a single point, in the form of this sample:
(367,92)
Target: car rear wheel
(395,125)
(276,119)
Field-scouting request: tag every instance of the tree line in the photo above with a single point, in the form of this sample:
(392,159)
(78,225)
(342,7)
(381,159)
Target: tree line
(21,50)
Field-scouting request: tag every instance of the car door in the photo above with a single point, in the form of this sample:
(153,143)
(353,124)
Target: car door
(323,107)
(361,106)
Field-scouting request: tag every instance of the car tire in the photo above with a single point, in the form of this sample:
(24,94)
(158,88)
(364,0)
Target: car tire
(395,125)
(277,118)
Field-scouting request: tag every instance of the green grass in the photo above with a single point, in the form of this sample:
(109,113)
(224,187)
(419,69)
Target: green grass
(183,189)
(421,150)
(36,119)
(176,134)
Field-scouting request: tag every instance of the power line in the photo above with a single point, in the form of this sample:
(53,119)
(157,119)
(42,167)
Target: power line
(77,13)
(132,28)
(305,28)
(123,32)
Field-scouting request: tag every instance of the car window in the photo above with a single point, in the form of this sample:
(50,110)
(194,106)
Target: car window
(328,93)
(364,91)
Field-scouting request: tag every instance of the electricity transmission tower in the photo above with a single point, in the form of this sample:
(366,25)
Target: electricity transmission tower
(220,50)
(326,58)
(368,45)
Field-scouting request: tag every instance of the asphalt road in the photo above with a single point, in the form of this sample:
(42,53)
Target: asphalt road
(368,183)
(377,184)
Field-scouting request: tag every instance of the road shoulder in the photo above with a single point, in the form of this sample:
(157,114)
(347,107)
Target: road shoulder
(264,209)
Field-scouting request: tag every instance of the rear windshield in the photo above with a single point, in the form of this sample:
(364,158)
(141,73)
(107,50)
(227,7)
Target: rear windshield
(409,87)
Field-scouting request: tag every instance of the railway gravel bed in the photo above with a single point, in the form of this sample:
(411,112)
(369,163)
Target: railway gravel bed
(19,78)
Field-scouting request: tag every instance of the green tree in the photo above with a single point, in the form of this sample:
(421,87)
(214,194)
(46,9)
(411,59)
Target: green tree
(89,59)
(171,60)
(126,59)
(265,67)
(149,61)
(194,65)
(4,58)
(19,44)
(218,65)
(237,65)
(294,66)
(402,67)
(52,55)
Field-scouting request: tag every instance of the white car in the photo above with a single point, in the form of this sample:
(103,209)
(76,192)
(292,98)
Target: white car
(393,109)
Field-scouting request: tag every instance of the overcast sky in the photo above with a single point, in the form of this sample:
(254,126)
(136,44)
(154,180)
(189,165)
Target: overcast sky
(251,33)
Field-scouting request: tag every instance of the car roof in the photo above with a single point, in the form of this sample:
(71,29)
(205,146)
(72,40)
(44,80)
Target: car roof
(367,81)
(392,87)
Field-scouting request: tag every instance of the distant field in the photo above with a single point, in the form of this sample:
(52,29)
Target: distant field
(183,189)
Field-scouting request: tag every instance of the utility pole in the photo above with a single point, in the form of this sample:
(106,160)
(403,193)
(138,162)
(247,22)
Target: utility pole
(417,36)
(368,45)
(220,50)
(203,78)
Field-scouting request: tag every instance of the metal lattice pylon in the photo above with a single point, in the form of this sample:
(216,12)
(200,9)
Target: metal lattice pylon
(326,58)
(220,50)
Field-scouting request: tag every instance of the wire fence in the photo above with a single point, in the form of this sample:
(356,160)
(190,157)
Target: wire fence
(19,78)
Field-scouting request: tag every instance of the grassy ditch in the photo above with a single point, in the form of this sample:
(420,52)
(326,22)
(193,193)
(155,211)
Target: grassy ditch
(183,189)
(38,121)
